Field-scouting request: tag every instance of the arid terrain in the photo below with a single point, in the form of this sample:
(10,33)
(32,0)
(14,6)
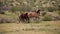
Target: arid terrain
(44,27)
(49,16)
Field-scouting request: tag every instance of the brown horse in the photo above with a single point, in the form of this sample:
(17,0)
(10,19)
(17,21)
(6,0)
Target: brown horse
(24,17)
(34,14)
(28,15)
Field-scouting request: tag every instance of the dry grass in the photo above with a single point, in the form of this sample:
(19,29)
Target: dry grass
(8,18)
(44,27)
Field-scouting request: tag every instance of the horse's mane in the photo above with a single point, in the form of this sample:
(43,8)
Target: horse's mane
(38,11)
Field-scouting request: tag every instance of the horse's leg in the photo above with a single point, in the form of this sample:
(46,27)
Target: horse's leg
(21,19)
(37,19)
(27,19)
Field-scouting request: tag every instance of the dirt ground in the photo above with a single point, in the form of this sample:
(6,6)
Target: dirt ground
(44,27)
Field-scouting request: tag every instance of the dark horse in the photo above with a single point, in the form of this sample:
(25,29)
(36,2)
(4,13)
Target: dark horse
(24,17)
(28,15)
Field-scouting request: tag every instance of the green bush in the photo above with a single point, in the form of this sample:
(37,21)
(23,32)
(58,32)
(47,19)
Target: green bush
(47,18)
(44,13)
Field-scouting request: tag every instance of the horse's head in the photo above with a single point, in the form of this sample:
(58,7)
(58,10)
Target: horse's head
(38,11)
(26,14)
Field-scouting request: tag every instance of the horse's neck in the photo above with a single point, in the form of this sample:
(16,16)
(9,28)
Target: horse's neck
(38,12)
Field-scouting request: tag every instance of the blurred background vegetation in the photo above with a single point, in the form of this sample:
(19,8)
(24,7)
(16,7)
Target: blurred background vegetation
(50,9)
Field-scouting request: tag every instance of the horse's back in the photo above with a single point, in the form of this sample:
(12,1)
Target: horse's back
(32,14)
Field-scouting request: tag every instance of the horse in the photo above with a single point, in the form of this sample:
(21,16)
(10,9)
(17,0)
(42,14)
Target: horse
(24,17)
(34,14)
(28,15)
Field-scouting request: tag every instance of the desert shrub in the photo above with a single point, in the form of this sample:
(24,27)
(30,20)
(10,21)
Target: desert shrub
(50,9)
(8,18)
(43,13)
(47,18)
(1,4)
(9,14)
(1,8)
(59,12)
(13,9)
(22,8)
(2,12)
